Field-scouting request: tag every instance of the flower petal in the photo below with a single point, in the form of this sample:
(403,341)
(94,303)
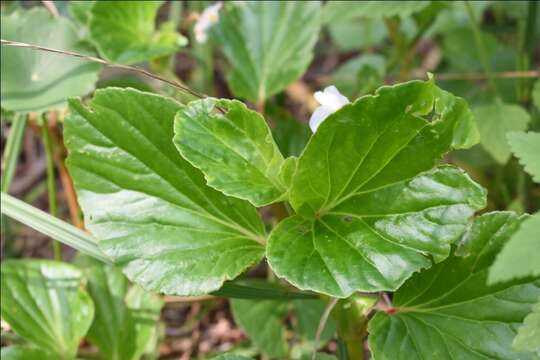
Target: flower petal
(318,117)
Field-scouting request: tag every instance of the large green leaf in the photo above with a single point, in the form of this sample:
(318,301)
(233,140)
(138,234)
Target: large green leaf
(268,43)
(520,256)
(149,209)
(124,31)
(494,122)
(528,337)
(342,10)
(366,219)
(526,147)
(448,311)
(37,81)
(43,302)
(235,150)
(120,331)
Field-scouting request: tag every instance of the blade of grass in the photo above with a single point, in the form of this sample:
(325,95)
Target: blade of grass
(12,150)
(237,290)
(51,226)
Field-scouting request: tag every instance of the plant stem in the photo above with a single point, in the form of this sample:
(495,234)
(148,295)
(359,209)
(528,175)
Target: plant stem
(351,316)
(12,150)
(321,326)
(51,183)
(481,49)
(527,29)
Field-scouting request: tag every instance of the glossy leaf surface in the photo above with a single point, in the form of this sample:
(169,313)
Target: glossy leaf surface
(448,311)
(495,122)
(149,209)
(43,302)
(268,43)
(520,257)
(234,150)
(37,81)
(526,147)
(119,331)
(124,31)
(366,219)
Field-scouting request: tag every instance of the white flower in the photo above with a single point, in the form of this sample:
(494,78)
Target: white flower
(331,100)
(209,17)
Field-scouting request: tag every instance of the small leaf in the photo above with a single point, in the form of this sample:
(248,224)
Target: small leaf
(528,337)
(17,352)
(120,330)
(234,150)
(35,80)
(448,311)
(342,10)
(231,357)
(268,43)
(536,94)
(150,209)
(520,256)
(366,219)
(526,147)
(43,302)
(262,320)
(124,31)
(494,122)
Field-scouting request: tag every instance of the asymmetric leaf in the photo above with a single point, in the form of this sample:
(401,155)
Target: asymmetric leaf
(234,150)
(38,81)
(366,219)
(495,122)
(526,147)
(124,31)
(520,256)
(448,311)
(150,209)
(528,337)
(268,43)
(43,302)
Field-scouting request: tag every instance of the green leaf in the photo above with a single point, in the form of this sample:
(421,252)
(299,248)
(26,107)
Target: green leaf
(528,337)
(262,322)
(51,226)
(342,10)
(526,147)
(234,150)
(290,134)
(357,34)
(17,352)
(124,31)
(149,209)
(268,43)
(520,256)
(448,311)
(231,357)
(120,330)
(360,75)
(43,302)
(35,80)
(366,219)
(494,122)
(242,289)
